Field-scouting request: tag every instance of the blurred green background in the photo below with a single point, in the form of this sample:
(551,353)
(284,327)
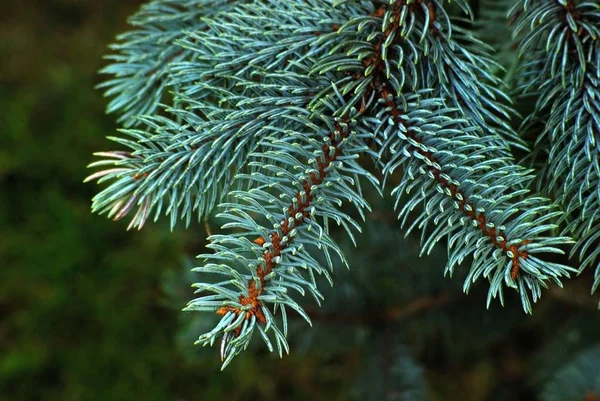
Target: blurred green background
(80,305)
(90,311)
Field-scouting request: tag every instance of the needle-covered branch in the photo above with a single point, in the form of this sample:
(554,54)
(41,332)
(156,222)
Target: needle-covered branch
(280,109)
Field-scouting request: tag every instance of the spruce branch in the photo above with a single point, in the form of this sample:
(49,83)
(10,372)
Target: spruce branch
(562,49)
(274,103)
(179,167)
(141,58)
(460,64)
(474,192)
(297,212)
(281,253)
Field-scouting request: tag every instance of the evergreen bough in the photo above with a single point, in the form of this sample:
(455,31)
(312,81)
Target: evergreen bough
(276,113)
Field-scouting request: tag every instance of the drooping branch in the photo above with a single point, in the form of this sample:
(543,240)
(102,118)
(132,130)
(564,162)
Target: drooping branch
(297,212)
(381,84)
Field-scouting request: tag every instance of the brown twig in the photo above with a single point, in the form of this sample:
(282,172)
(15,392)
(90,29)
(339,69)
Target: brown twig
(394,315)
(207,226)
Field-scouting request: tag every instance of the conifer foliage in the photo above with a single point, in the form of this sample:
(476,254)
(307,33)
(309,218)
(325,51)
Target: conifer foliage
(561,70)
(278,113)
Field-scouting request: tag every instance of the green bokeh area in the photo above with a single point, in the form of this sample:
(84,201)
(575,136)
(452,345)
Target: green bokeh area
(80,301)
(79,296)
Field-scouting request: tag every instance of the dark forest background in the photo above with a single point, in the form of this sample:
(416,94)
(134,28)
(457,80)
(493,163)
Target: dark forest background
(82,315)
